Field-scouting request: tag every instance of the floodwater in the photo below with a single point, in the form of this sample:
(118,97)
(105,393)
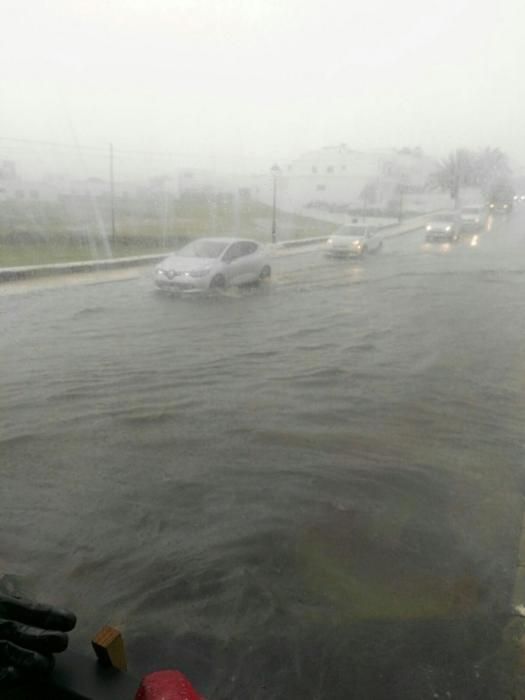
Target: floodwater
(310,490)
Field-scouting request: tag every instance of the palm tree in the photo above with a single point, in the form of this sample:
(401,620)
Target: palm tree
(455,171)
(369,194)
(492,166)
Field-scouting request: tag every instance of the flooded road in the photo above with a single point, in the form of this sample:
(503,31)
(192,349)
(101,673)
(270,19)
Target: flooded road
(308,490)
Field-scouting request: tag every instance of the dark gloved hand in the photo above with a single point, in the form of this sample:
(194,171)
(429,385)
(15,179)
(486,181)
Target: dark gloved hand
(30,633)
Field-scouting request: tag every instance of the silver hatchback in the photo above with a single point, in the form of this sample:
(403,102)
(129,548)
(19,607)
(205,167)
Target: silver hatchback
(208,263)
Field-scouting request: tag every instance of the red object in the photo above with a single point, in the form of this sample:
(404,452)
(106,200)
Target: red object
(166,685)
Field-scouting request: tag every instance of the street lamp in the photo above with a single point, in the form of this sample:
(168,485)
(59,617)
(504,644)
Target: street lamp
(402,190)
(275,172)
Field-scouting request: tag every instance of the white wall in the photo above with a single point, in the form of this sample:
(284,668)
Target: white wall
(338,176)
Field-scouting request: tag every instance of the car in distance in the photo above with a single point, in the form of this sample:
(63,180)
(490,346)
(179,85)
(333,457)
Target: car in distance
(443,228)
(501,207)
(209,263)
(353,241)
(473,217)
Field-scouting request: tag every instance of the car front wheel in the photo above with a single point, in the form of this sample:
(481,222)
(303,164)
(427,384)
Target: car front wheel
(265,272)
(218,282)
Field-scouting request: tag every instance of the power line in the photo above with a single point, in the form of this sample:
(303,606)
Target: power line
(124,151)
(98,149)
(35,142)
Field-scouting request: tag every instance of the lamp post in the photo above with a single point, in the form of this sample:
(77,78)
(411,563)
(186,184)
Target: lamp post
(164,213)
(275,172)
(402,191)
(112,194)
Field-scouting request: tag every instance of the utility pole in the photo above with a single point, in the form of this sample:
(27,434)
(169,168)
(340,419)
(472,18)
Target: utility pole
(112,192)
(275,172)
(165,214)
(402,190)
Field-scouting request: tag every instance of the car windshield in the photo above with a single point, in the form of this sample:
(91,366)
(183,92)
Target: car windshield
(202,249)
(262,385)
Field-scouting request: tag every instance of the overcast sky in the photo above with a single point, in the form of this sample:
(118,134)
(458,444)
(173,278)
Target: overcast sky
(264,79)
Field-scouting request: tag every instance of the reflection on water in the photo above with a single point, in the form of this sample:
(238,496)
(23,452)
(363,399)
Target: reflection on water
(306,490)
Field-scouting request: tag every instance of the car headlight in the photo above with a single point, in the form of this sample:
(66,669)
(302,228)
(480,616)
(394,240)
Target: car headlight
(356,244)
(159,271)
(491,206)
(429,228)
(200,273)
(330,241)
(448,228)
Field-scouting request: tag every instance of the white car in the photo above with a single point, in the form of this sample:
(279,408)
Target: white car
(209,263)
(473,217)
(354,241)
(501,207)
(443,228)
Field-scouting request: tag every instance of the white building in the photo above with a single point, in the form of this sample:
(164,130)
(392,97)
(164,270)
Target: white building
(7,170)
(27,191)
(340,176)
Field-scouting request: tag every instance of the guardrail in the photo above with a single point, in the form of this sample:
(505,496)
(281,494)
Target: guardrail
(296,242)
(407,227)
(10,274)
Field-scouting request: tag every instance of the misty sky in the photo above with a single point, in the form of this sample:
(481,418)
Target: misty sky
(264,79)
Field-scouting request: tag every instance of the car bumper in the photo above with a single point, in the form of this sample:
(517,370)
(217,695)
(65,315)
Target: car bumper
(344,252)
(182,284)
(471,225)
(438,237)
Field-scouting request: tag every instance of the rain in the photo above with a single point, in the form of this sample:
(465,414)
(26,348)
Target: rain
(262,363)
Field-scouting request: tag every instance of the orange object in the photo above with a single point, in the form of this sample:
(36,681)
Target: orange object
(109,648)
